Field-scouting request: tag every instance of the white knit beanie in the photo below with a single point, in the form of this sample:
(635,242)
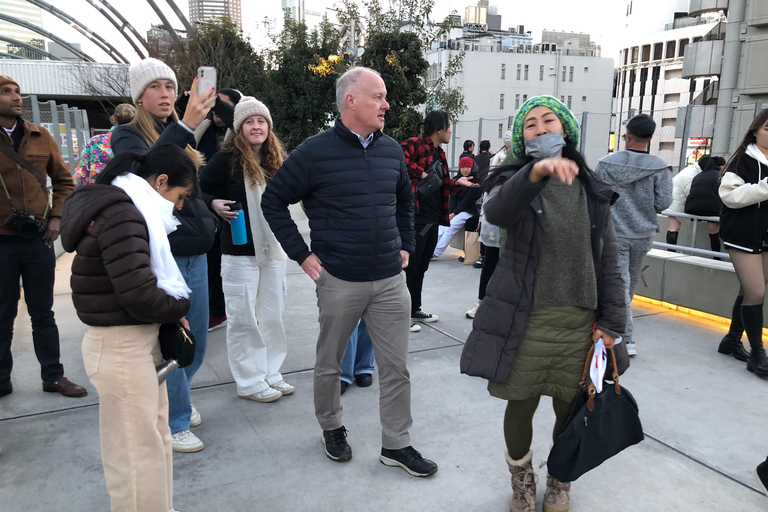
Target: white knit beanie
(147,71)
(249,106)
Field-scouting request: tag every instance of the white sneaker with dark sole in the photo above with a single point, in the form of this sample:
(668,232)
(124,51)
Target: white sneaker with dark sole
(195,419)
(631,349)
(186,442)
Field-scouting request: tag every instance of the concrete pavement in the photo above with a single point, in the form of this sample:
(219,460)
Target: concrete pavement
(703,414)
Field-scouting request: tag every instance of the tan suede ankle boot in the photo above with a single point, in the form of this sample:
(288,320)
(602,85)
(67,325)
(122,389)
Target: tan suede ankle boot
(556,498)
(523,483)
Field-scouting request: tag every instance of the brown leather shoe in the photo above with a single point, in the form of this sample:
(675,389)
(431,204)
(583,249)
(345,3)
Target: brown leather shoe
(65,387)
(6,389)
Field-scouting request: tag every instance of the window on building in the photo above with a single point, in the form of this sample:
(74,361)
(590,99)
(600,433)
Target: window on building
(658,51)
(525,98)
(501,101)
(569,101)
(517,101)
(635,54)
(501,130)
(503,71)
(586,69)
(519,67)
(626,56)
(670,50)
(565,68)
(666,146)
(541,73)
(525,72)
(683,44)
(570,74)
(562,99)
(583,98)
(623,82)
(646,53)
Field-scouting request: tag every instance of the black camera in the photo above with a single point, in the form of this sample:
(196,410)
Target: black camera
(24,224)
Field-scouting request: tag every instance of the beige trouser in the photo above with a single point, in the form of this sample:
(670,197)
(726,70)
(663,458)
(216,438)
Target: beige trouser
(133,416)
(385,305)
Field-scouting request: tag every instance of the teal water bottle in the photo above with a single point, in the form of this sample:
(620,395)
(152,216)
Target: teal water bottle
(239,236)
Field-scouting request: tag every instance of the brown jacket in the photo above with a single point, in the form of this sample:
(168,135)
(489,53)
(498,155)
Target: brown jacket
(39,147)
(112,280)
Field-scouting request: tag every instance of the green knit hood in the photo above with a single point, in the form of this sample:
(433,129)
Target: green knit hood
(570,124)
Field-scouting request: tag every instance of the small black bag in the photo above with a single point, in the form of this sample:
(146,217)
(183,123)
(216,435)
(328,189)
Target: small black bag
(434,180)
(177,342)
(598,426)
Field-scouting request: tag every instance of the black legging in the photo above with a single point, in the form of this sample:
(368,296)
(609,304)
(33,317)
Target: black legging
(426,240)
(518,423)
(490,259)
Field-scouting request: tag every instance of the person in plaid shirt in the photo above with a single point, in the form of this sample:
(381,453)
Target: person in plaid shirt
(98,151)
(432,210)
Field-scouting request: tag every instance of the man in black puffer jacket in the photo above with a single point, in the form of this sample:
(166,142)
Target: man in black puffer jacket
(358,198)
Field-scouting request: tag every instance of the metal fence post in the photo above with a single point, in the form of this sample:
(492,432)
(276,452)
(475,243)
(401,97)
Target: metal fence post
(35,108)
(684,142)
(86,125)
(479,131)
(68,136)
(55,122)
(583,134)
(453,142)
(78,132)
(511,121)
(758,107)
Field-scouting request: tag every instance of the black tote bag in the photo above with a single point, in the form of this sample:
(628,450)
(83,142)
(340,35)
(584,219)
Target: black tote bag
(598,426)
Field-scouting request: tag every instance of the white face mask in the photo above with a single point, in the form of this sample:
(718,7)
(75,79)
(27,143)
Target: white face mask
(548,145)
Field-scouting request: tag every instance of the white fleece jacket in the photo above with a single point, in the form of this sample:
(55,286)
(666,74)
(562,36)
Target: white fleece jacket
(735,193)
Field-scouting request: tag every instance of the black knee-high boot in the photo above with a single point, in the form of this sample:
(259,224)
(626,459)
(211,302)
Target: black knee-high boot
(714,242)
(753,325)
(731,343)
(672,237)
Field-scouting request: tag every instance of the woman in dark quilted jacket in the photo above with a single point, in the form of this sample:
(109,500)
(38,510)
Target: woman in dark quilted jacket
(125,283)
(704,199)
(556,289)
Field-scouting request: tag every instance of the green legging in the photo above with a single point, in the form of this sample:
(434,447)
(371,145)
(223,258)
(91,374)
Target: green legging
(518,423)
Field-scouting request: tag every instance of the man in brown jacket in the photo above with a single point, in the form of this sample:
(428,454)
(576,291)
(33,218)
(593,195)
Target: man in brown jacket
(30,217)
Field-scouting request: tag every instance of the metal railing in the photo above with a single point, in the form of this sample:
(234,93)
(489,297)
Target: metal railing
(692,249)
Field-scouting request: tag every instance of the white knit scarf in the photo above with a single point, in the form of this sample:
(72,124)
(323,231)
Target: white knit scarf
(265,244)
(158,214)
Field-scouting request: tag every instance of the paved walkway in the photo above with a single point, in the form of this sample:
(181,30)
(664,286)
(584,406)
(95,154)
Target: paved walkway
(703,414)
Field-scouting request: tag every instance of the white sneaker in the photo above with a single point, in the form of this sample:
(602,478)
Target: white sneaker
(283,387)
(194,419)
(472,311)
(186,442)
(266,396)
(631,350)
(414,327)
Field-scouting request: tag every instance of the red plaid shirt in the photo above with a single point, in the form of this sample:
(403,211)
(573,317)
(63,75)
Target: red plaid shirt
(418,154)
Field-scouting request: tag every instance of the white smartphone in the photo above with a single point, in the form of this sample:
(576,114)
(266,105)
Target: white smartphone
(206,78)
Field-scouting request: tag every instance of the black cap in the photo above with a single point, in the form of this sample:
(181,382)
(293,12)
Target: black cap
(641,126)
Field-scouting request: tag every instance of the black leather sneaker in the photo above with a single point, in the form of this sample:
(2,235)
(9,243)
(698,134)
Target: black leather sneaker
(343,385)
(363,380)
(761,473)
(408,459)
(336,446)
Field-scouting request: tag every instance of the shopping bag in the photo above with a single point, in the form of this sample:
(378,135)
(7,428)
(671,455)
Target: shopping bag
(471,247)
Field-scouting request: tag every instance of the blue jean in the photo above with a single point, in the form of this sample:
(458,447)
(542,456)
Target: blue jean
(358,358)
(35,264)
(195,272)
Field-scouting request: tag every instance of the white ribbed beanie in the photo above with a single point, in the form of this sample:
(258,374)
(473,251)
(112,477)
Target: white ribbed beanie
(249,106)
(147,71)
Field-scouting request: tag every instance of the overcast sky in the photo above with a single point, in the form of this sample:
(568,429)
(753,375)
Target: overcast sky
(602,19)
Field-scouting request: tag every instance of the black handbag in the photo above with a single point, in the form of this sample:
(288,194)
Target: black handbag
(434,180)
(177,343)
(598,426)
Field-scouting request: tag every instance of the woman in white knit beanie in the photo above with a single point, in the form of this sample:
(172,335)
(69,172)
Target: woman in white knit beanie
(253,274)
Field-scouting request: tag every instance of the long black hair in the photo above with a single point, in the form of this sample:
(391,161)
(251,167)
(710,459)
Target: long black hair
(435,121)
(734,163)
(570,151)
(164,159)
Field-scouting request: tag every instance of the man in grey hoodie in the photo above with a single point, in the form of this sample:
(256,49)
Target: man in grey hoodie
(644,184)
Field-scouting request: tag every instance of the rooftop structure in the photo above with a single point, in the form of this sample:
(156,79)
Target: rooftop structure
(201,11)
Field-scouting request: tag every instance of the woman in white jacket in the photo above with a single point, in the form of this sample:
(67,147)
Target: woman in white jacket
(681,187)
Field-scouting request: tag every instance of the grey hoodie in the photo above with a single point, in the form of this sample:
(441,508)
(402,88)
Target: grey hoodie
(644,184)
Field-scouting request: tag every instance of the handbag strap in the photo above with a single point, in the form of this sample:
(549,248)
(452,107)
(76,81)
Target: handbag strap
(591,389)
(9,152)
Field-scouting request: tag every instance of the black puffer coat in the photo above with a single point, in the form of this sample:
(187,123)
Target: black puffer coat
(359,203)
(112,280)
(501,319)
(704,199)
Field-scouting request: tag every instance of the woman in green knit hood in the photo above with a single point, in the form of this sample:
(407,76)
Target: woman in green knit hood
(556,289)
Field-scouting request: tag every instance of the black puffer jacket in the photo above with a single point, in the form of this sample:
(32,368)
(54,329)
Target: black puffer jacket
(704,199)
(501,319)
(195,234)
(112,280)
(359,203)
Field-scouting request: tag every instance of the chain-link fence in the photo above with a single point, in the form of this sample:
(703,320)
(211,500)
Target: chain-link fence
(68,126)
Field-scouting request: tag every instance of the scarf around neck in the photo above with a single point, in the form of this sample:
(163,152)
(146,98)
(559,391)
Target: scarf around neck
(158,214)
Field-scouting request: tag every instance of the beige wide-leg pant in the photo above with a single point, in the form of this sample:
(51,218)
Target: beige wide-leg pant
(133,416)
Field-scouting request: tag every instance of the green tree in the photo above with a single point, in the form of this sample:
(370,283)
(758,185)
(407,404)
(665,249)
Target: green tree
(398,58)
(302,69)
(220,44)
(442,94)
